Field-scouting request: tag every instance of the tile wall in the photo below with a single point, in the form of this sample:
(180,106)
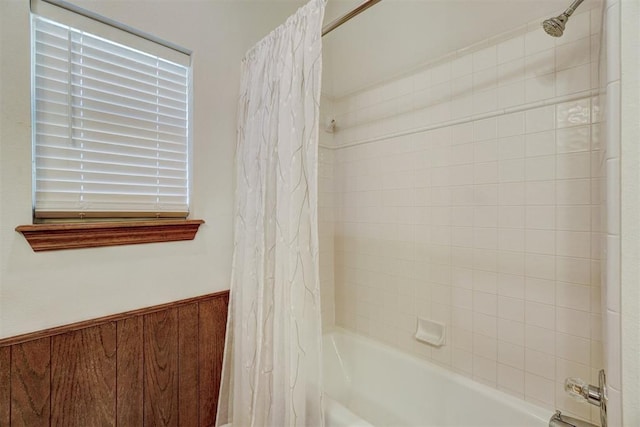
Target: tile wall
(468,192)
(326,214)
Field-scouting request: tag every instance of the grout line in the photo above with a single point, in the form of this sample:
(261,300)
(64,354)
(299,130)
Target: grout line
(524,107)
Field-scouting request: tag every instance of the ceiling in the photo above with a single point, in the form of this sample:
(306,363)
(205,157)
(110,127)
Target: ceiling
(395,36)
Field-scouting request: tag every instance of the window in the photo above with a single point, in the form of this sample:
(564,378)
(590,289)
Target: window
(110,127)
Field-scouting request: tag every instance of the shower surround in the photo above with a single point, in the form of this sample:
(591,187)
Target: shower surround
(468,191)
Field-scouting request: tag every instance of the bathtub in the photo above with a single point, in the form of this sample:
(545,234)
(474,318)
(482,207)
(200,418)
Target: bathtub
(370,384)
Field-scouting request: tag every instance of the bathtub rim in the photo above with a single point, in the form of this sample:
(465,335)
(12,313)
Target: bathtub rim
(502,397)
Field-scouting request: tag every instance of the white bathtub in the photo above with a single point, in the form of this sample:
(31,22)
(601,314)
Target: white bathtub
(370,384)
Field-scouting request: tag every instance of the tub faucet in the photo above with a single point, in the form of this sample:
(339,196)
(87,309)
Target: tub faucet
(559,420)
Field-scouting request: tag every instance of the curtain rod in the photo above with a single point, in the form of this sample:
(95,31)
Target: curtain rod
(347,16)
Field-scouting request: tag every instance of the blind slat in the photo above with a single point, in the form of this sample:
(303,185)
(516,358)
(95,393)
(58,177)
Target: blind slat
(110,126)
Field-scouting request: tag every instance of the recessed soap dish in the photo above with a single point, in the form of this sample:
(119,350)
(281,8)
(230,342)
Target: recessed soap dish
(430,332)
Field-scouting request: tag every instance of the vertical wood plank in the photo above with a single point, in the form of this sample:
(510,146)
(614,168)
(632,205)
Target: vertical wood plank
(212,326)
(188,365)
(130,369)
(5,386)
(161,368)
(83,377)
(30,383)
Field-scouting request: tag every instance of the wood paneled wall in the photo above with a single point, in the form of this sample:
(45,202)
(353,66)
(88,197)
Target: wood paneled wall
(159,366)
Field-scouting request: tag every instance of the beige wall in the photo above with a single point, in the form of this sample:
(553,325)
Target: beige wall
(48,289)
(630,210)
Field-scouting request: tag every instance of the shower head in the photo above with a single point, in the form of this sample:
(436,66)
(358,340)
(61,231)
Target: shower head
(555,26)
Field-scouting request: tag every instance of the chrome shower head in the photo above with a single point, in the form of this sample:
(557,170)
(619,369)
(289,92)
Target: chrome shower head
(555,26)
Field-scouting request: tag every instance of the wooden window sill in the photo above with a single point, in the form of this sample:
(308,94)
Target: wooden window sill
(51,237)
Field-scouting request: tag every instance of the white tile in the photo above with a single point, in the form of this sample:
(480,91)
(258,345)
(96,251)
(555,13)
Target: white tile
(540,290)
(484,346)
(573,243)
(573,322)
(511,72)
(485,325)
(539,389)
(573,270)
(573,192)
(510,285)
(540,168)
(462,133)
(573,296)
(484,173)
(485,58)
(485,79)
(541,339)
(540,88)
(540,217)
(573,80)
(511,49)
(441,73)
(511,308)
(484,368)
(511,124)
(511,217)
(540,119)
(540,144)
(511,262)
(511,170)
(512,193)
(574,218)
(541,315)
(510,378)
(573,348)
(463,361)
(511,94)
(537,41)
(485,281)
(573,139)
(511,354)
(462,66)
(485,101)
(540,241)
(485,151)
(485,303)
(573,113)
(485,129)
(511,239)
(485,216)
(574,165)
(511,147)
(540,266)
(539,363)
(573,54)
(539,64)
(540,192)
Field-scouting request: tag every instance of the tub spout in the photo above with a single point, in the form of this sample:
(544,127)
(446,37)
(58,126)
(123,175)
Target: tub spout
(559,420)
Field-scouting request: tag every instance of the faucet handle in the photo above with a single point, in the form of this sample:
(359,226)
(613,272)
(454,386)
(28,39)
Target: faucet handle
(577,388)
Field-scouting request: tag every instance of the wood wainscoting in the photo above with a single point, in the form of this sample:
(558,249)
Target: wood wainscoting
(159,366)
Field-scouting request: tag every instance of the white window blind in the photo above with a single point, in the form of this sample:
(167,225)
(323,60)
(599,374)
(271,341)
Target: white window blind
(111,131)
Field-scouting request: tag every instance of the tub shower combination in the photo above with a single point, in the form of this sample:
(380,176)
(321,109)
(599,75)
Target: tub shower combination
(365,383)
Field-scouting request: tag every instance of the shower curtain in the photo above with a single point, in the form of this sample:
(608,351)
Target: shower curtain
(272,362)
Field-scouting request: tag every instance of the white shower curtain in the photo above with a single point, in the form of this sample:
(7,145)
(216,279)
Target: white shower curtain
(272,363)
